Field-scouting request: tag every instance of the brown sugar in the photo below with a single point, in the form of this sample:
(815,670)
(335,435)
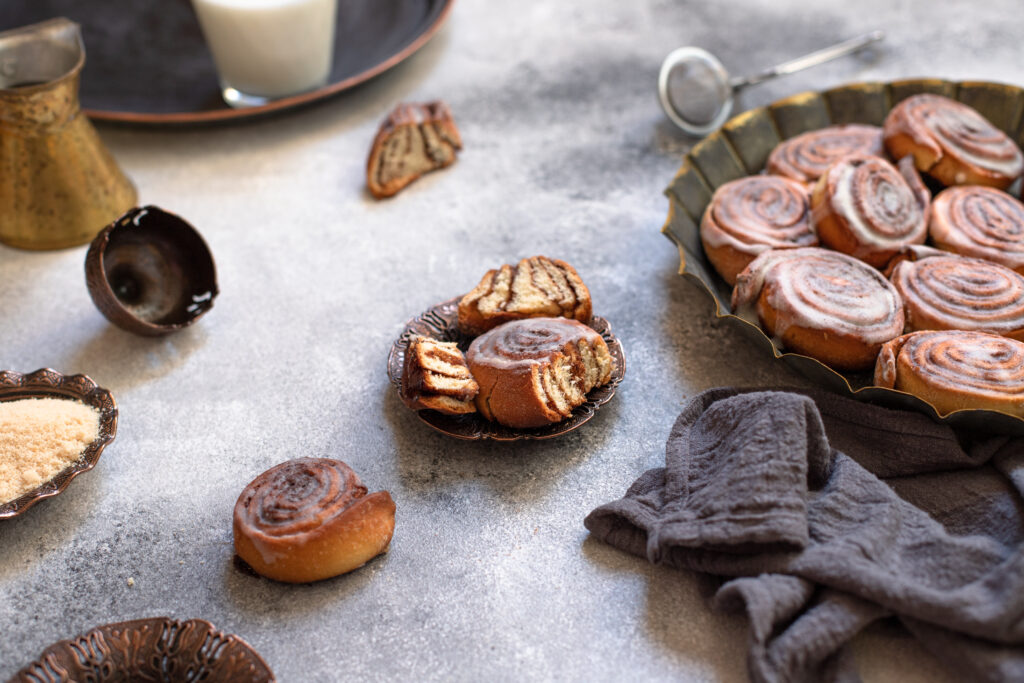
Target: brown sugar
(39,438)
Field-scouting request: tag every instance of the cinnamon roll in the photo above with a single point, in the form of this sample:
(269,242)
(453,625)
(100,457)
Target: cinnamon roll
(534,372)
(310,519)
(751,215)
(822,304)
(806,157)
(534,287)
(435,377)
(865,207)
(952,142)
(980,222)
(949,292)
(956,370)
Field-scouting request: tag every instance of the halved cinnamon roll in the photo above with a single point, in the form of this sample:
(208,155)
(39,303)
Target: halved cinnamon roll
(952,142)
(751,215)
(822,304)
(956,370)
(806,157)
(863,206)
(981,222)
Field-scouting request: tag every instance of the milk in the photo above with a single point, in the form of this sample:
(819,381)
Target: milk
(269,48)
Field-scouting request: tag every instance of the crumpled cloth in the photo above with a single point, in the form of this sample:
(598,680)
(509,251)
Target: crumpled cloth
(824,514)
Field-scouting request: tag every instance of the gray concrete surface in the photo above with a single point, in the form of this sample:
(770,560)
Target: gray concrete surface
(491,575)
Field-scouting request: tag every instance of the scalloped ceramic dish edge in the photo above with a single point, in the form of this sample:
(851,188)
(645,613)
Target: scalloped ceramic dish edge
(47,383)
(441,322)
(741,148)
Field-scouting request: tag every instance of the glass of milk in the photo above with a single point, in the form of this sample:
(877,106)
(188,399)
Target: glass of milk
(266,49)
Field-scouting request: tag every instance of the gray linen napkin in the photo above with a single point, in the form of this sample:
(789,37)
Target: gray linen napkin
(833,514)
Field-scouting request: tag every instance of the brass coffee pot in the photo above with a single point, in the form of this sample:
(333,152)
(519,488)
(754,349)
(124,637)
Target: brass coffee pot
(59,186)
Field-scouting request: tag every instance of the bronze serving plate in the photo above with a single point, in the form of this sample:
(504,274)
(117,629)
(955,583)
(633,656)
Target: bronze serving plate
(442,323)
(742,147)
(47,383)
(155,649)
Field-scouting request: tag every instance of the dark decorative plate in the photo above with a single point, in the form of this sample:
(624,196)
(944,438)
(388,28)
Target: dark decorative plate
(147,62)
(441,323)
(156,649)
(742,147)
(48,383)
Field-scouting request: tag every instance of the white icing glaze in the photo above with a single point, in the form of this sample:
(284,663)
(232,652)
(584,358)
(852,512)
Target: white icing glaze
(893,196)
(757,213)
(521,344)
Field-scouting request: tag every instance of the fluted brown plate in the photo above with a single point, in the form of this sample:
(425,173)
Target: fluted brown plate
(47,383)
(155,649)
(442,323)
(742,147)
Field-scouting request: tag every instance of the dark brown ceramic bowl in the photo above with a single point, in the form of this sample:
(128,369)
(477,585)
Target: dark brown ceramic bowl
(442,323)
(155,649)
(742,147)
(150,272)
(48,383)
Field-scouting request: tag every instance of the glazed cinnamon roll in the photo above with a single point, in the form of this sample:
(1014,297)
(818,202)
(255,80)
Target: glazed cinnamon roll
(949,292)
(822,304)
(806,157)
(310,519)
(952,142)
(751,215)
(980,222)
(865,207)
(534,372)
(956,370)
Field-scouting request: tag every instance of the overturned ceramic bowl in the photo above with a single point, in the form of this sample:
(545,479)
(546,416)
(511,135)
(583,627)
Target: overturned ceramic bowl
(150,272)
(155,649)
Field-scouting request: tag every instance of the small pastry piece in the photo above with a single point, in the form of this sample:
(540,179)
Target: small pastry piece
(980,222)
(414,139)
(950,292)
(806,157)
(435,377)
(822,304)
(751,215)
(865,207)
(535,371)
(310,519)
(956,370)
(535,287)
(952,142)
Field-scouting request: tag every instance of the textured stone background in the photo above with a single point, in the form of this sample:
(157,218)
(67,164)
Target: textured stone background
(490,574)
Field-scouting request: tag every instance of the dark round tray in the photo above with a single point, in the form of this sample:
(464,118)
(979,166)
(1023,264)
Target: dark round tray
(147,62)
(442,323)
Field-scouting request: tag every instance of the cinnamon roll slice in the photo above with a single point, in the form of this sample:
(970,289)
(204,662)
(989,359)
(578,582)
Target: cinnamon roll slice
(952,142)
(310,519)
(950,292)
(751,215)
(806,157)
(956,370)
(435,377)
(822,304)
(534,372)
(981,222)
(865,207)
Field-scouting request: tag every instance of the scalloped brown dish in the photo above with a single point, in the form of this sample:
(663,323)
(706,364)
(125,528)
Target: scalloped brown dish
(155,649)
(742,147)
(47,383)
(441,323)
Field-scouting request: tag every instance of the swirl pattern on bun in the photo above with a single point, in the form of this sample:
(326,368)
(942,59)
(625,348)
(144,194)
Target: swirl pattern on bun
(865,207)
(980,222)
(309,519)
(822,304)
(806,157)
(952,142)
(535,371)
(956,370)
(751,215)
(950,292)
